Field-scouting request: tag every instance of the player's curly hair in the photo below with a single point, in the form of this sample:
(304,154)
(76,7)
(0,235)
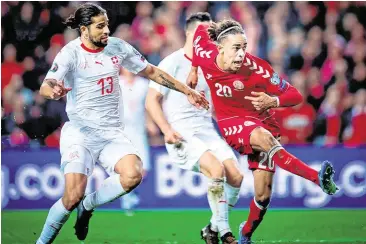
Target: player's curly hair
(218,31)
(83,15)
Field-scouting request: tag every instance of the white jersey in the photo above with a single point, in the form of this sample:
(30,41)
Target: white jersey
(134,95)
(177,109)
(95,99)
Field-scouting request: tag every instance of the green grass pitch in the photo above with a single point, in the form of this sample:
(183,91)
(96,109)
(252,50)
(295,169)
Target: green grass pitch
(178,227)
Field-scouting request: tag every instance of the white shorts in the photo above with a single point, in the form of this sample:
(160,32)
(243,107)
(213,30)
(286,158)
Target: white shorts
(81,147)
(140,140)
(195,144)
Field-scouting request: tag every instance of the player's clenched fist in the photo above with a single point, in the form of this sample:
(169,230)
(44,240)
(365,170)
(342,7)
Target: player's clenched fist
(59,90)
(197,99)
(262,101)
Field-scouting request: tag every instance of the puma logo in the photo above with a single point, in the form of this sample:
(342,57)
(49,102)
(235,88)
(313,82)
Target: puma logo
(97,62)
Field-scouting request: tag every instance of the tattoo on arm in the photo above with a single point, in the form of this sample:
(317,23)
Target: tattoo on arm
(166,82)
(50,82)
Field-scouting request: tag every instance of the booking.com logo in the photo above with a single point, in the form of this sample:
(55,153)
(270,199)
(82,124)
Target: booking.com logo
(33,183)
(350,177)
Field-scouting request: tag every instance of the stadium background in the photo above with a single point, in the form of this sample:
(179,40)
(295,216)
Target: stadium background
(319,47)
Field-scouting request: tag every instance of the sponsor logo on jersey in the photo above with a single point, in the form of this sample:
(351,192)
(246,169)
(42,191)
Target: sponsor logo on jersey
(208,76)
(275,80)
(54,67)
(248,123)
(97,62)
(238,85)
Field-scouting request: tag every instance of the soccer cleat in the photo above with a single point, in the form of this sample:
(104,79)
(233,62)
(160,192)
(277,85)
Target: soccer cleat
(82,222)
(326,181)
(209,236)
(228,238)
(242,238)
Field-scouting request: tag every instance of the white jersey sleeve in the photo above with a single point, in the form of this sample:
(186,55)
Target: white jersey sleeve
(133,60)
(168,66)
(63,63)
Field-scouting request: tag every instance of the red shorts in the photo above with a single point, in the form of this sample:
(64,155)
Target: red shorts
(237,131)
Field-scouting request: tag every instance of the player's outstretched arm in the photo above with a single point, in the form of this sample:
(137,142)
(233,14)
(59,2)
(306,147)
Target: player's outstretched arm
(53,89)
(159,76)
(154,108)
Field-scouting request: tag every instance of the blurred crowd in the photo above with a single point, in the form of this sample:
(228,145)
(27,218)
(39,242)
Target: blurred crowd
(318,47)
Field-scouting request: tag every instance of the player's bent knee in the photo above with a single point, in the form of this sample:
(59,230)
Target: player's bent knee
(130,181)
(236,180)
(72,198)
(210,166)
(261,139)
(217,171)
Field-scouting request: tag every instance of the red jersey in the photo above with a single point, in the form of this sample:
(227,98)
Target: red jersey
(227,89)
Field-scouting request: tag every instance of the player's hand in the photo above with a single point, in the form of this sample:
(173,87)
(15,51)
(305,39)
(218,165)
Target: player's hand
(262,101)
(197,99)
(172,137)
(59,90)
(192,79)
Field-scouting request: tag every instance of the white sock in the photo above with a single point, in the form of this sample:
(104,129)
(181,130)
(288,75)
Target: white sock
(232,195)
(110,190)
(218,204)
(213,222)
(56,218)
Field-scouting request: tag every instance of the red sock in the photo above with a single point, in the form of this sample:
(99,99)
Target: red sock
(290,163)
(254,219)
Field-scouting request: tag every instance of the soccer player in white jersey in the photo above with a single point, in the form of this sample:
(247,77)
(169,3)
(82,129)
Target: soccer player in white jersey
(87,71)
(191,139)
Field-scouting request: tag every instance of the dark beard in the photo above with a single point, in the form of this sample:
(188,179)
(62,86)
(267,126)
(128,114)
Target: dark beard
(98,44)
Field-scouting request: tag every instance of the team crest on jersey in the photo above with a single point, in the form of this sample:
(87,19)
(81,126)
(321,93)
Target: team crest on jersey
(275,80)
(114,60)
(54,67)
(238,85)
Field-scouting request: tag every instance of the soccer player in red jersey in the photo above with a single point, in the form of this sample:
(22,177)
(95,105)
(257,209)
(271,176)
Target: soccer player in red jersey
(244,88)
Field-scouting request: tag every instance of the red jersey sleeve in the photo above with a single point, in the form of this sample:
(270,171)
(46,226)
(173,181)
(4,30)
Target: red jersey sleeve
(275,85)
(203,47)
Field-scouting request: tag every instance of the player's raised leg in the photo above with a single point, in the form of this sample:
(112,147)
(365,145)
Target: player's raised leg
(262,140)
(258,206)
(77,162)
(211,167)
(127,176)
